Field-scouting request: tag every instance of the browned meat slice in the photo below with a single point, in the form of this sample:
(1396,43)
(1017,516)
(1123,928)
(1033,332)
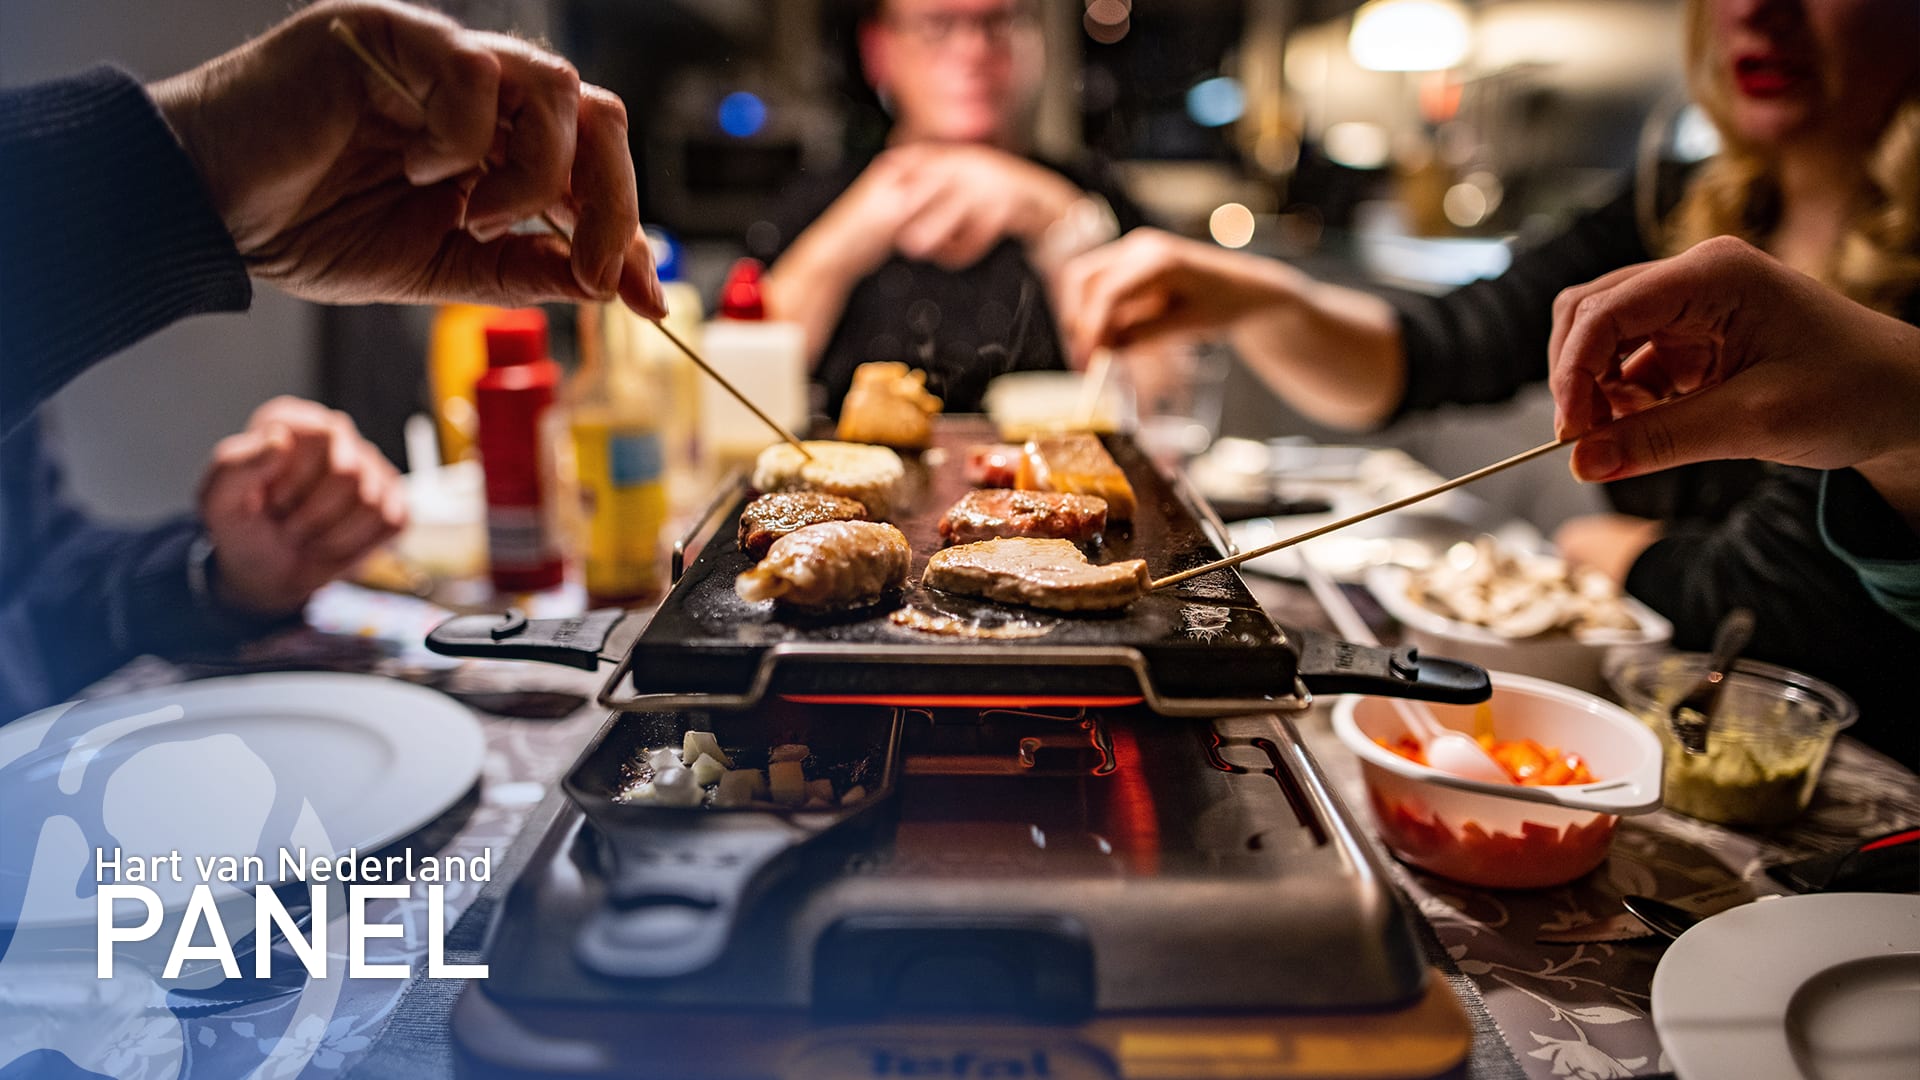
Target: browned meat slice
(770,517)
(993,465)
(984,515)
(1050,574)
(836,564)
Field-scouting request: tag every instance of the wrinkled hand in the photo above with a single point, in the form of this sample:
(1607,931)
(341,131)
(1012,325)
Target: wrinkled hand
(338,188)
(1150,285)
(293,502)
(1775,366)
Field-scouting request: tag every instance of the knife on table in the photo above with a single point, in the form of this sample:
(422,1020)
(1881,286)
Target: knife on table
(1889,863)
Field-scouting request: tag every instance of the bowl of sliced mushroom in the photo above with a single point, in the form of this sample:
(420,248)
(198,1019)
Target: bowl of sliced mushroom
(1508,609)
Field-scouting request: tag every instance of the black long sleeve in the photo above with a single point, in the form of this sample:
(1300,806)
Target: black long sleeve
(1484,341)
(106,234)
(78,599)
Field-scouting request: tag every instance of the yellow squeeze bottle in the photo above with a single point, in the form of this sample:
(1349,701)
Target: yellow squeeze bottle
(456,358)
(615,416)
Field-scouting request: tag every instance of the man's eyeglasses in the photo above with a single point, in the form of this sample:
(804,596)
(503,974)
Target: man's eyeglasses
(941,27)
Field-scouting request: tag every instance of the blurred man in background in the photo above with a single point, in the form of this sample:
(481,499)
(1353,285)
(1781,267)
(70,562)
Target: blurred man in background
(938,250)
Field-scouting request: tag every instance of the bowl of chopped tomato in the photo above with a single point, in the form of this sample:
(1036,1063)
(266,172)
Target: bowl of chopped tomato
(1576,762)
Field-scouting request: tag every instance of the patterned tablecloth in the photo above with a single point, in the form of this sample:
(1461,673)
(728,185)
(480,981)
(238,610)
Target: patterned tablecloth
(1582,1010)
(1565,1010)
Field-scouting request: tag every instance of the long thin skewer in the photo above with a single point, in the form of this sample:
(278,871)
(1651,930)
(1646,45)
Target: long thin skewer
(1385,508)
(1093,384)
(731,389)
(339,29)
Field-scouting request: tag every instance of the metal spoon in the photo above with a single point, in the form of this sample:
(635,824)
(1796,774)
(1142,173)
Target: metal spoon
(1692,715)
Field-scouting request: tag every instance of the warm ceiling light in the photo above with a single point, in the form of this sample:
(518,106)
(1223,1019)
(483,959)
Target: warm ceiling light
(1409,35)
(1231,225)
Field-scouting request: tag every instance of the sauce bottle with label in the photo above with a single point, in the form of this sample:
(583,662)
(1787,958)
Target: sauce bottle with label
(513,400)
(616,408)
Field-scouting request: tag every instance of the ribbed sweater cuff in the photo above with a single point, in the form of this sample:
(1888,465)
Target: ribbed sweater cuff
(157,610)
(106,233)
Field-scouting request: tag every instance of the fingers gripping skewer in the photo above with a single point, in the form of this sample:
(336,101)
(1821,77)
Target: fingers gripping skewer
(339,29)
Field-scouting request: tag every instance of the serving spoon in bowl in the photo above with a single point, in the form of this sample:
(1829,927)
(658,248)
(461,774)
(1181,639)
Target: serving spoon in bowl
(1692,716)
(1447,750)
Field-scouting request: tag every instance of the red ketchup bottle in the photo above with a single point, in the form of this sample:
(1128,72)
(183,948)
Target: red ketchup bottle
(513,399)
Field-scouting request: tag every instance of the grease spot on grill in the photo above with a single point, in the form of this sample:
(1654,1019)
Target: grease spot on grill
(1205,622)
(983,623)
(1219,585)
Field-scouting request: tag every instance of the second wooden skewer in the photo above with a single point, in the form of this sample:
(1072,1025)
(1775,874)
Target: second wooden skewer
(339,29)
(1354,519)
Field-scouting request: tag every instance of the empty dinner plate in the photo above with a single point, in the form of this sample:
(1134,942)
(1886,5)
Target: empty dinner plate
(1823,987)
(232,767)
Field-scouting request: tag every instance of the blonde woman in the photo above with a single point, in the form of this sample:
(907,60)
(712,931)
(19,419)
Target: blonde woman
(1818,106)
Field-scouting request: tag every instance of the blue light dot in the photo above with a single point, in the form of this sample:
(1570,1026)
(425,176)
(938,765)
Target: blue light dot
(742,114)
(1216,102)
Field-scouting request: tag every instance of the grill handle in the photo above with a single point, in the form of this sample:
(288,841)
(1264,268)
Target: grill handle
(1329,665)
(676,891)
(581,641)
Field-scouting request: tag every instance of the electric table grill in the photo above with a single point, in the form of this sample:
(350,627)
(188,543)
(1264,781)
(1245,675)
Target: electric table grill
(1047,878)
(1202,648)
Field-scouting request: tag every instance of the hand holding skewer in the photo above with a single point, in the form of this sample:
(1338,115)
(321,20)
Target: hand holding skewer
(339,28)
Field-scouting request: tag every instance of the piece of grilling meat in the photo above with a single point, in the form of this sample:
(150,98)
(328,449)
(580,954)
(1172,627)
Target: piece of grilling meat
(836,564)
(1077,462)
(993,465)
(986,515)
(1048,573)
(770,517)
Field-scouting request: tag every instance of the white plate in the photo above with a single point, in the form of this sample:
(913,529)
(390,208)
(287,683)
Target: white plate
(223,767)
(1824,987)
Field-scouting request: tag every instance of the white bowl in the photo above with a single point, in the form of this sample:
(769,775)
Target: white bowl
(1569,659)
(1504,835)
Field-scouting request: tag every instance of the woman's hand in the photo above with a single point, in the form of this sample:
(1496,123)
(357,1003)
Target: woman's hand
(1773,365)
(338,187)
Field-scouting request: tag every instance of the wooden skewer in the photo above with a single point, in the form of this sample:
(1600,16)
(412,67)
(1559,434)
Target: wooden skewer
(339,29)
(1093,384)
(731,389)
(1385,508)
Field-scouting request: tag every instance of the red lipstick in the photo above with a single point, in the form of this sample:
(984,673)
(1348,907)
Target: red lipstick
(1764,75)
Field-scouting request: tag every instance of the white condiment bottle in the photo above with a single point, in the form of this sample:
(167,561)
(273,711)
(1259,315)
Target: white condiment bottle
(766,359)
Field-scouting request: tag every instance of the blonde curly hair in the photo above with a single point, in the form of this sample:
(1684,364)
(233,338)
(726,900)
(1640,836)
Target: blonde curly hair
(1736,192)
